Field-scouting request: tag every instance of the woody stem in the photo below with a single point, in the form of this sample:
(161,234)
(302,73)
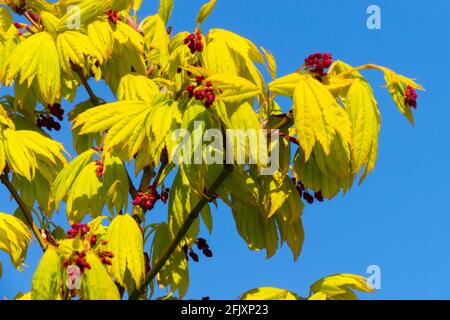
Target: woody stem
(94,99)
(191,218)
(26,211)
(363,67)
(27,15)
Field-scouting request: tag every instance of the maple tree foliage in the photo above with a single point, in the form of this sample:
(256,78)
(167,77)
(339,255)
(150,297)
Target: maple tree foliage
(164,82)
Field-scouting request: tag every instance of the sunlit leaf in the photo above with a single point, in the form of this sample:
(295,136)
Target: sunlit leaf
(48,278)
(205,11)
(125,240)
(269,294)
(15,237)
(339,287)
(97,284)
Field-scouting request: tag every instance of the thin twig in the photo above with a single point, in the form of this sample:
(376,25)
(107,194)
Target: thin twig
(363,67)
(286,120)
(26,211)
(34,23)
(289,138)
(94,99)
(191,218)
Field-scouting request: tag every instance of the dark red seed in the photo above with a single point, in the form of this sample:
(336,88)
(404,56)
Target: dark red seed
(199,46)
(199,94)
(136,201)
(202,244)
(93,240)
(108,254)
(194,256)
(199,79)
(106,262)
(208,253)
(147,262)
(308,198)
(319,197)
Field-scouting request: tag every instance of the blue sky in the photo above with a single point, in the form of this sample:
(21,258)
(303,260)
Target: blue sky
(399,218)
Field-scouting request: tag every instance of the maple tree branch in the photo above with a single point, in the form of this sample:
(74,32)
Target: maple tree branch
(146,178)
(191,218)
(26,211)
(94,99)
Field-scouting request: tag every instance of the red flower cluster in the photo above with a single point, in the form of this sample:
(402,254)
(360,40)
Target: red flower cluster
(48,122)
(205,94)
(100,168)
(78,229)
(202,245)
(113,16)
(79,261)
(57,111)
(194,42)
(411,97)
(82,230)
(148,199)
(304,193)
(317,63)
